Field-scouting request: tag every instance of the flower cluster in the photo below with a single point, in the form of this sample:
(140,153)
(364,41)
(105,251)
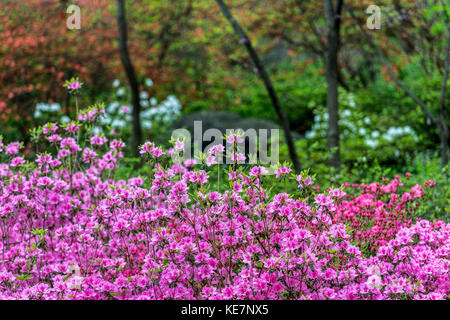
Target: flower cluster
(70,230)
(73,85)
(378,211)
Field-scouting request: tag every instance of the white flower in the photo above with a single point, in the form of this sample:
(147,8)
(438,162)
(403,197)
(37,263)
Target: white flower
(143,95)
(118,123)
(42,106)
(105,119)
(112,107)
(120,92)
(371,143)
(310,134)
(146,124)
(55,107)
(149,82)
(37,114)
(97,130)
(346,113)
(65,119)
(352,102)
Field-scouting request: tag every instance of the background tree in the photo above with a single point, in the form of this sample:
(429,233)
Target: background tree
(333,19)
(38,52)
(267,82)
(440,121)
(131,75)
(187,50)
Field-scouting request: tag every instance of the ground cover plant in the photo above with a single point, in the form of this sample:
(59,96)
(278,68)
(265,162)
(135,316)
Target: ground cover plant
(71,230)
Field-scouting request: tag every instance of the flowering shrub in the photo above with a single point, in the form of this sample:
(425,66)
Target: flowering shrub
(70,230)
(376,213)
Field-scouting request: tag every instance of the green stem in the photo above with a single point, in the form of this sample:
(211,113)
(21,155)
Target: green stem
(76,118)
(218,178)
(150,174)
(76,105)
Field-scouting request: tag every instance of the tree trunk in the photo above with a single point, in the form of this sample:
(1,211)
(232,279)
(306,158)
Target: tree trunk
(444,145)
(136,139)
(439,121)
(333,18)
(443,132)
(267,83)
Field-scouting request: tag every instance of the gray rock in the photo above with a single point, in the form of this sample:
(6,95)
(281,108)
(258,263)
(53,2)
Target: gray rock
(221,120)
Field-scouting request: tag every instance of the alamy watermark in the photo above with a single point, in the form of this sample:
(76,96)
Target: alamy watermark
(251,143)
(73,21)
(374,20)
(393,16)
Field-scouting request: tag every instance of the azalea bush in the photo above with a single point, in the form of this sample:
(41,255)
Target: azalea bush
(376,212)
(71,230)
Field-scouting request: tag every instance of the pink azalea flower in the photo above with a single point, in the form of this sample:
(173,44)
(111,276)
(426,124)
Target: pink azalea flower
(16,161)
(282,171)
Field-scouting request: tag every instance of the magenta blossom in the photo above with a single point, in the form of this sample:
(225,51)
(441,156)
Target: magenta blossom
(282,171)
(16,161)
(13,148)
(73,85)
